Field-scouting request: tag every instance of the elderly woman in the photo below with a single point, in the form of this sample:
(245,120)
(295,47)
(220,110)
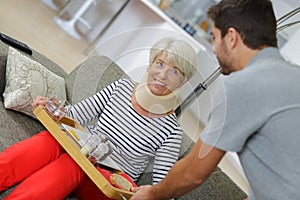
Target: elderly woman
(137,118)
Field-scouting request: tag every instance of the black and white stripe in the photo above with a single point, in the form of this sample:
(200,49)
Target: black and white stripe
(135,138)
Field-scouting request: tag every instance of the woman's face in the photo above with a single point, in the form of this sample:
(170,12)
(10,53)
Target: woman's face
(163,76)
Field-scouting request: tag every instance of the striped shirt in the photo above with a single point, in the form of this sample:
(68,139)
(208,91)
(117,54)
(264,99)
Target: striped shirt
(135,139)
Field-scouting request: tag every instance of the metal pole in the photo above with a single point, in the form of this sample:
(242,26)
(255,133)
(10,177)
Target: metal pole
(197,91)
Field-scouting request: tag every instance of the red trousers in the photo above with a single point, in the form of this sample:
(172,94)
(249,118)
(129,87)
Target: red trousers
(44,171)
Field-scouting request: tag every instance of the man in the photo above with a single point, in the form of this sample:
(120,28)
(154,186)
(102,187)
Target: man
(259,116)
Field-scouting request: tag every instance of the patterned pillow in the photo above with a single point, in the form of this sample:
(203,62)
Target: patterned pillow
(26,79)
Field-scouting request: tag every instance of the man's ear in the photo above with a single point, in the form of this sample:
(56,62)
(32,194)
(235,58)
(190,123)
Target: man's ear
(233,37)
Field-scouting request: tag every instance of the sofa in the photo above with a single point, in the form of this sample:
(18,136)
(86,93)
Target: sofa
(16,126)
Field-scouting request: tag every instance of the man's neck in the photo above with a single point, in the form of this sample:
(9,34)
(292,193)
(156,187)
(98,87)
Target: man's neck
(245,55)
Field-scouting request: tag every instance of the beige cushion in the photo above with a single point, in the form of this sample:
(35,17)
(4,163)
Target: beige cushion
(26,79)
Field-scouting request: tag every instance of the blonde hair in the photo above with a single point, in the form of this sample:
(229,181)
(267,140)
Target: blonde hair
(179,52)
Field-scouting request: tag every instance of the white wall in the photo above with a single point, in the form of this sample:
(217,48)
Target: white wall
(290,48)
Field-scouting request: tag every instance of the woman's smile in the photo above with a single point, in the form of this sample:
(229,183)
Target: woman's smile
(163,76)
(157,82)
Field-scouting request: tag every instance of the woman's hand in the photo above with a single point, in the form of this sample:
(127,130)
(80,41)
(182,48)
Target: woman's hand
(39,100)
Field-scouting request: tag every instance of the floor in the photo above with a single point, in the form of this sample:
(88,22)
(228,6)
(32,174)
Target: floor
(25,21)
(31,22)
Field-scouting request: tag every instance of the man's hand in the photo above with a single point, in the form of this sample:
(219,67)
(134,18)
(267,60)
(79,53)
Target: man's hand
(142,193)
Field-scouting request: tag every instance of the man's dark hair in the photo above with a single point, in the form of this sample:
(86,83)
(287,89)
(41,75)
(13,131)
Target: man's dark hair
(253,19)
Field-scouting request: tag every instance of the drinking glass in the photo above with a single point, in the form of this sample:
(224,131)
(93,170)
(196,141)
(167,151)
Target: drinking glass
(56,108)
(96,148)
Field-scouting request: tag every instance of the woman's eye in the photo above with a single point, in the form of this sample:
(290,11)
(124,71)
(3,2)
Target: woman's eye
(174,71)
(159,64)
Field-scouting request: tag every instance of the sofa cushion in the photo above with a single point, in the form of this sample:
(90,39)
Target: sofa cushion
(35,56)
(16,127)
(217,186)
(25,79)
(92,75)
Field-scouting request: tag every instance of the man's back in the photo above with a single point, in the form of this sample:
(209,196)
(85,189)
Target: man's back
(272,153)
(262,109)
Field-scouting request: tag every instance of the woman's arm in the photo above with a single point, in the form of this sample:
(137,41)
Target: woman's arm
(167,155)
(91,108)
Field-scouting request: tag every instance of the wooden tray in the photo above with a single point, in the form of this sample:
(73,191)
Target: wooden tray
(73,150)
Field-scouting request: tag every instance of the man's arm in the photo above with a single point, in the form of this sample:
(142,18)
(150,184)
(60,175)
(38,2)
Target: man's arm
(185,175)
